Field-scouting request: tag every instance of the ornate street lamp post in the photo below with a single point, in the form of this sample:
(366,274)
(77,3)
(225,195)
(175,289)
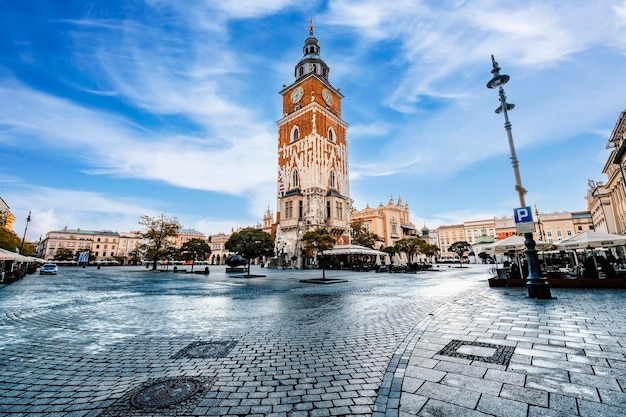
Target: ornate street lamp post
(24,238)
(537,285)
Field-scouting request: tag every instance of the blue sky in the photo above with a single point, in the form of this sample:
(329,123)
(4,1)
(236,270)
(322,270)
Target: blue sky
(113,109)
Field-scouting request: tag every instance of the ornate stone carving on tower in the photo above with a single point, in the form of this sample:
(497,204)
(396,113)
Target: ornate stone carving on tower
(313,180)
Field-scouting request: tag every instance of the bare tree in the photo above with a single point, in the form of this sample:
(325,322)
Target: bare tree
(157,236)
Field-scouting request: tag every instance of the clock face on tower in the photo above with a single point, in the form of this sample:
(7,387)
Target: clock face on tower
(297,94)
(328,98)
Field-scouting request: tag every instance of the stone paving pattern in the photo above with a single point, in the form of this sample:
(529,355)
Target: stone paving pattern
(569,356)
(81,343)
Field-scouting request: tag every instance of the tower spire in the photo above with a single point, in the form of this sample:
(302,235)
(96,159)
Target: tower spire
(311,61)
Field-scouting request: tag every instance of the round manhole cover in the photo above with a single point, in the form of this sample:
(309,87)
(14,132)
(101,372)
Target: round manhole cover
(165,393)
(206,350)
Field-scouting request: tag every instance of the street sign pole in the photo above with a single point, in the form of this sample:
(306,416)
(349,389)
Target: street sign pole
(524,223)
(537,286)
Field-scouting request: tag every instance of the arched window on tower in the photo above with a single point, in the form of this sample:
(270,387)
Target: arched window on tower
(294,179)
(332,180)
(295,133)
(301,72)
(331,134)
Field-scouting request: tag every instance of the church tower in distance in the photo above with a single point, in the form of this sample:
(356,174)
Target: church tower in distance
(313,179)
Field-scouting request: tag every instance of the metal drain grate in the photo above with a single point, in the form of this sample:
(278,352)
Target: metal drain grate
(478,351)
(206,350)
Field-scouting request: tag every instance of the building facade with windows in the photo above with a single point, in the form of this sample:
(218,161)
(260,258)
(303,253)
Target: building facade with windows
(104,245)
(599,205)
(504,227)
(128,247)
(185,235)
(219,252)
(391,222)
(554,227)
(75,240)
(447,236)
(615,185)
(478,230)
(8,217)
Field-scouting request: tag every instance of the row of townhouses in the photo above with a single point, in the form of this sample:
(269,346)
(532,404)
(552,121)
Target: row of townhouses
(391,222)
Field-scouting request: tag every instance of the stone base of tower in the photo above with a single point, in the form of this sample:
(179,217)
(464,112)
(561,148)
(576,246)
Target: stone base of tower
(290,252)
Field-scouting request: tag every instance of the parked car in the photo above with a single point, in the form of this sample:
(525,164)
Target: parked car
(48,269)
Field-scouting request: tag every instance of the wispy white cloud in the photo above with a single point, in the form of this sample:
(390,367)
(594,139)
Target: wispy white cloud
(443,40)
(111,147)
(443,45)
(360,132)
(55,208)
(216,10)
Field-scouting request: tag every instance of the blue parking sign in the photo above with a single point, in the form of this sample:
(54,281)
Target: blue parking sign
(523,215)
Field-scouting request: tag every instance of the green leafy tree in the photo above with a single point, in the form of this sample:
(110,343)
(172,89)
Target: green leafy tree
(484,256)
(362,236)
(120,259)
(250,243)
(175,254)
(64,254)
(430,250)
(158,237)
(195,250)
(390,250)
(30,249)
(460,248)
(9,240)
(171,253)
(409,245)
(318,240)
(135,256)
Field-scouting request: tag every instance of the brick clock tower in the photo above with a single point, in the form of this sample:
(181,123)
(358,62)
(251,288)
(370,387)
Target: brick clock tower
(313,181)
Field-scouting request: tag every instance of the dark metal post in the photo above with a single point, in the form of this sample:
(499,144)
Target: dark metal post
(24,238)
(537,285)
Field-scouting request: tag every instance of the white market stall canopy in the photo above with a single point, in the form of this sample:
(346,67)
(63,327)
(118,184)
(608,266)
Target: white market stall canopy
(352,250)
(7,255)
(589,239)
(514,243)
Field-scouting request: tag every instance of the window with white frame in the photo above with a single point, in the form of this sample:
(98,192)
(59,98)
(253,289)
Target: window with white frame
(294,179)
(295,134)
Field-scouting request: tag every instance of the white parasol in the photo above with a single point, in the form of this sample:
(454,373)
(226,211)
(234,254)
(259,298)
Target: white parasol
(514,243)
(589,239)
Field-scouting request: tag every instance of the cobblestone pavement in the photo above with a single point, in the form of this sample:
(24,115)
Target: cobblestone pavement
(118,342)
(124,342)
(499,353)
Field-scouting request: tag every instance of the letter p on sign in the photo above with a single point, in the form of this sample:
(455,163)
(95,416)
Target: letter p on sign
(523,215)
